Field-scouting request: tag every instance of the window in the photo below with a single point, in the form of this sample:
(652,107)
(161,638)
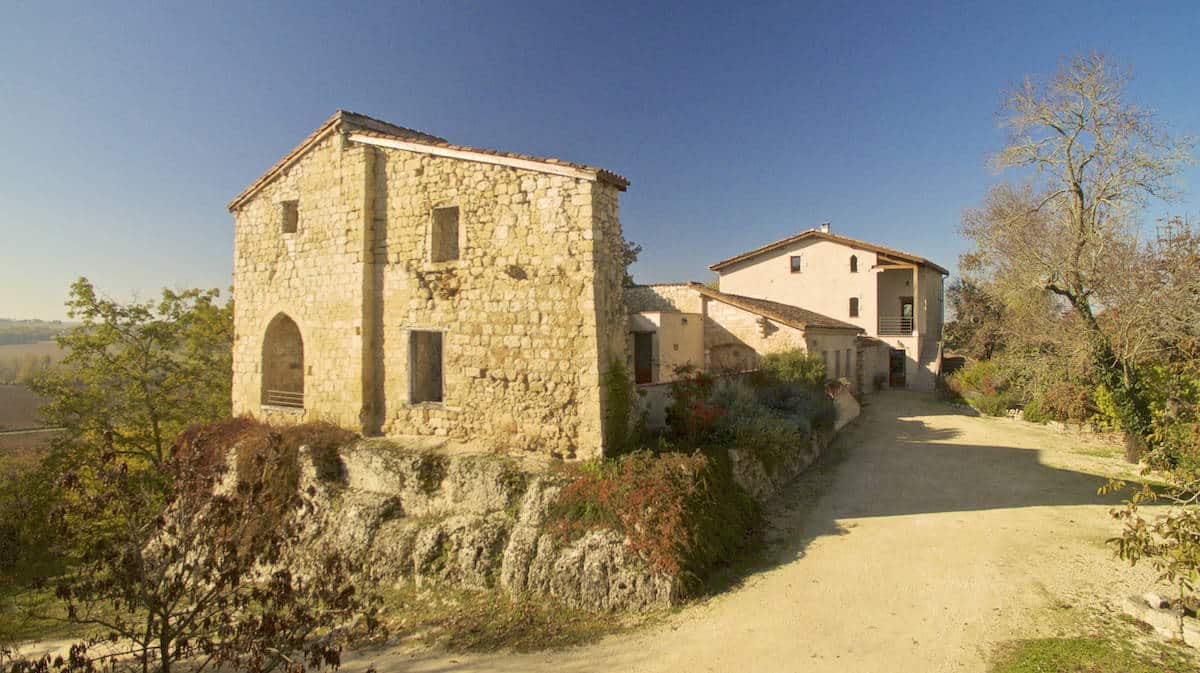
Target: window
(443,235)
(797,263)
(853,263)
(290,216)
(837,367)
(849,370)
(853,307)
(425,366)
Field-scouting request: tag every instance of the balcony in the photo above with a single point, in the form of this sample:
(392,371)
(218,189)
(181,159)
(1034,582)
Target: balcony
(895,325)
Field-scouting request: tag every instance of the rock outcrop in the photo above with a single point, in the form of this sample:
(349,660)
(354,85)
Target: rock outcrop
(474,521)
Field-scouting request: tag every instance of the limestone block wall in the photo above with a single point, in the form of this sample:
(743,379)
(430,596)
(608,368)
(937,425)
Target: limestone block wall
(665,297)
(734,338)
(314,276)
(529,312)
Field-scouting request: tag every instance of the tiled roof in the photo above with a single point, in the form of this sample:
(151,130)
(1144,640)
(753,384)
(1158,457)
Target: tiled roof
(793,316)
(844,240)
(369,126)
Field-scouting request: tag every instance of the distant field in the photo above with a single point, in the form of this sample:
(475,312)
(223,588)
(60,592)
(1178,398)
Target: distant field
(24,451)
(38,349)
(19,408)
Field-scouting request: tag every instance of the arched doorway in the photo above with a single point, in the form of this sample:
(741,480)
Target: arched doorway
(283,364)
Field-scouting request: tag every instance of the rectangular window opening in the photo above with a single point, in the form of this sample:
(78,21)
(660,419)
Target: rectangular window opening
(797,263)
(425,366)
(443,235)
(290,216)
(853,307)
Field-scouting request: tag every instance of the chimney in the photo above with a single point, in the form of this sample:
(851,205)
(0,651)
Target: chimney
(824,227)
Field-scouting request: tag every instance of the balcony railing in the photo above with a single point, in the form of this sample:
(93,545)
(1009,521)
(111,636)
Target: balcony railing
(895,325)
(284,398)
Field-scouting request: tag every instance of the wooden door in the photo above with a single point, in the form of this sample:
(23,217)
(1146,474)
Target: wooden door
(643,357)
(896,368)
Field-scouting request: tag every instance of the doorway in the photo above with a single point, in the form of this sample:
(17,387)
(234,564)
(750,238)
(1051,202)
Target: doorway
(643,357)
(906,314)
(896,367)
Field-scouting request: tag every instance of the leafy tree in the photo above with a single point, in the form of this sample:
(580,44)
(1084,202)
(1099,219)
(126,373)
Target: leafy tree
(134,375)
(181,567)
(977,327)
(1095,160)
(629,255)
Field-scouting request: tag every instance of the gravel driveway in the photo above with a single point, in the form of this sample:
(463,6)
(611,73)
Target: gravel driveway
(937,536)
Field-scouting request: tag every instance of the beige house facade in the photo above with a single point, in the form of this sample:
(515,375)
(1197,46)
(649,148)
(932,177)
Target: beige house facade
(390,281)
(673,325)
(895,297)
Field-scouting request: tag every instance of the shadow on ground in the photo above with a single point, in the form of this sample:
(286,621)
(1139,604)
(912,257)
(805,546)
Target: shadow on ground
(896,460)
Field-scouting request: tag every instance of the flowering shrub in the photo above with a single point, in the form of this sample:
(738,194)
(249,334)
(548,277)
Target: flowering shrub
(681,512)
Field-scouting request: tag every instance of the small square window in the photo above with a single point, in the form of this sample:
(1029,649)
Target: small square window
(290,216)
(425,366)
(443,235)
(797,263)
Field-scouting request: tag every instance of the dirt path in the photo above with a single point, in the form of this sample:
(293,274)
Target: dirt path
(940,535)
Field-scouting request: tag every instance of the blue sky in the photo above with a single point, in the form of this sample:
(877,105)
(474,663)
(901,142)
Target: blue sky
(125,129)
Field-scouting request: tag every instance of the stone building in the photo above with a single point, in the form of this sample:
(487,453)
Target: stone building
(390,281)
(678,324)
(894,296)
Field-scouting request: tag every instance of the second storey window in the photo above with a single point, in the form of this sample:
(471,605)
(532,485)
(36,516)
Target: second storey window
(853,263)
(797,263)
(290,214)
(853,307)
(443,234)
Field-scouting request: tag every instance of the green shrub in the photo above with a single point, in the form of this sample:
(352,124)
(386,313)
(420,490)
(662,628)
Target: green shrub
(1034,413)
(995,404)
(618,409)
(770,434)
(795,367)
(691,415)
(1067,401)
(982,377)
(682,513)
(1106,416)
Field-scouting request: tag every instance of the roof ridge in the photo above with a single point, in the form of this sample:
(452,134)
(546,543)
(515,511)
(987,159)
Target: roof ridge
(838,238)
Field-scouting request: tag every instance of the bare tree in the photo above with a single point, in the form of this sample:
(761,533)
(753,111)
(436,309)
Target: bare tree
(1095,160)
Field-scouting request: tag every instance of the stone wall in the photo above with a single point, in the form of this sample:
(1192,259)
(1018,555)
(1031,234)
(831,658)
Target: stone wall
(313,276)
(734,338)
(665,297)
(529,314)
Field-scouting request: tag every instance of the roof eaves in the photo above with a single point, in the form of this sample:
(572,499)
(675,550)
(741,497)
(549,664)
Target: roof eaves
(845,240)
(369,126)
(757,309)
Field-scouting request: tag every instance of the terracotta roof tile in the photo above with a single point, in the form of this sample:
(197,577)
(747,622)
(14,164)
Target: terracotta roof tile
(793,316)
(369,126)
(817,233)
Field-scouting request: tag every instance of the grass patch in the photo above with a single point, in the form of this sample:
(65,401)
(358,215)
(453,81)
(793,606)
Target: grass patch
(1089,655)
(487,621)
(1099,451)
(34,614)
